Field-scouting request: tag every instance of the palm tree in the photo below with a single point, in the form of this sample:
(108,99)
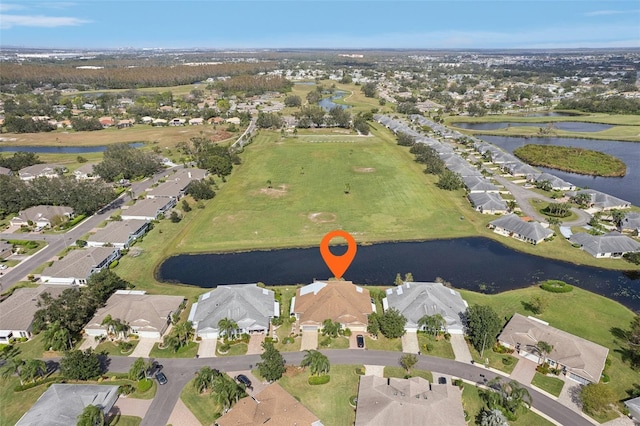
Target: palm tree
(32,369)
(205,379)
(121,329)
(509,396)
(432,323)
(330,328)
(109,324)
(11,367)
(493,418)
(317,362)
(228,326)
(545,349)
(91,416)
(57,337)
(226,392)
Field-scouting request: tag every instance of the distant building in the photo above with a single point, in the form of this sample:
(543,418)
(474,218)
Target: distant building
(612,244)
(43,216)
(41,170)
(513,226)
(120,234)
(148,209)
(78,265)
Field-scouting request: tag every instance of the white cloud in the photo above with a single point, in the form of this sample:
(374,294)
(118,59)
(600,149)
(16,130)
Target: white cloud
(609,12)
(9,21)
(6,7)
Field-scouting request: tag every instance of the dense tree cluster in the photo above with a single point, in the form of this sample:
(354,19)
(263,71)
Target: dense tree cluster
(450,181)
(369,90)
(360,124)
(272,366)
(200,190)
(428,156)
(79,365)
(223,388)
(84,196)
(122,161)
(338,117)
(86,124)
(19,160)
(391,323)
(217,159)
(609,105)
(310,115)
(254,84)
(16,124)
(268,120)
(405,139)
(482,326)
(293,101)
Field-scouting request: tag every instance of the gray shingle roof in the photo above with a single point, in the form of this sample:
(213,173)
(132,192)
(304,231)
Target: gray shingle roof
(488,201)
(147,207)
(16,311)
(530,230)
(603,200)
(78,263)
(117,232)
(612,242)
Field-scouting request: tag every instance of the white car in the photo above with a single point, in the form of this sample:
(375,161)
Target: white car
(3,267)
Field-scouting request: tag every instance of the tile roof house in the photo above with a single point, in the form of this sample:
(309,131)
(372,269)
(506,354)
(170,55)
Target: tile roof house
(407,402)
(120,234)
(148,209)
(250,306)
(41,170)
(583,360)
(272,406)
(488,203)
(612,244)
(148,315)
(41,215)
(415,300)
(339,301)
(61,404)
(78,265)
(17,310)
(513,226)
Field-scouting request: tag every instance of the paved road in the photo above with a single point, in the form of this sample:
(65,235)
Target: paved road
(57,242)
(180,371)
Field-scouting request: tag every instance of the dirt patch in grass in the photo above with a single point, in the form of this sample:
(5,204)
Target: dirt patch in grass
(364,169)
(281,191)
(322,217)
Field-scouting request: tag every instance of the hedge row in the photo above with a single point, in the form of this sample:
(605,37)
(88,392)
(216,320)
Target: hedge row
(319,380)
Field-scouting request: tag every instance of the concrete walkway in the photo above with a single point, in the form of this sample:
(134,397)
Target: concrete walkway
(309,340)
(182,416)
(374,370)
(460,348)
(410,342)
(255,344)
(144,348)
(88,342)
(207,348)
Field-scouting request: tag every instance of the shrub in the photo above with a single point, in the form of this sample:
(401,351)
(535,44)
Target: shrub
(113,264)
(21,388)
(605,378)
(224,347)
(288,340)
(543,368)
(126,389)
(457,382)
(360,371)
(500,349)
(319,380)
(347,332)
(144,385)
(507,360)
(556,286)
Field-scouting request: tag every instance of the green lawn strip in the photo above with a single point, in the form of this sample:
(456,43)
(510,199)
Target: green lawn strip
(13,405)
(117,380)
(285,331)
(188,351)
(579,312)
(441,348)
(473,404)
(540,205)
(120,420)
(203,406)
(570,159)
(552,385)
(326,342)
(113,349)
(330,402)
(399,372)
(234,350)
(502,362)
(383,344)
(34,348)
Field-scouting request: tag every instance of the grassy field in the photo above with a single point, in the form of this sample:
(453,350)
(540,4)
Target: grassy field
(188,351)
(202,406)
(579,312)
(441,348)
(553,385)
(390,198)
(576,160)
(13,405)
(330,402)
(113,349)
(383,344)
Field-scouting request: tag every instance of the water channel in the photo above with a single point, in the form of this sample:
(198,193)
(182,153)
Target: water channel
(469,263)
(54,149)
(327,103)
(569,126)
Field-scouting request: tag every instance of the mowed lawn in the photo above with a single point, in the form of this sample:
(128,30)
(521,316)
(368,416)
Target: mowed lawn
(390,198)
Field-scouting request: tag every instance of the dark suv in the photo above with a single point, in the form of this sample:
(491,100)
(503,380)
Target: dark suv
(244,380)
(360,340)
(161,378)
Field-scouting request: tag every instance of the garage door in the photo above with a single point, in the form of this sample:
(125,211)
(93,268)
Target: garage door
(309,328)
(531,357)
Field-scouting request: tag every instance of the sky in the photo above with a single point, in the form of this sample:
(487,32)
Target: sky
(430,24)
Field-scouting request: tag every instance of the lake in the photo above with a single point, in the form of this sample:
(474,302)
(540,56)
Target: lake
(327,103)
(51,149)
(626,187)
(569,126)
(469,263)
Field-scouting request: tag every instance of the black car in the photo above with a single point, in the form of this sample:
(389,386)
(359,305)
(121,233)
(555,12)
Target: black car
(442,380)
(360,340)
(161,378)
(244,380)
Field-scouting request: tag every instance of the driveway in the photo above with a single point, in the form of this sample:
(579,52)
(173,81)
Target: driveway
(144,347)
(524,370)
(88,342)
(460,348)
(131,407)
(410,342)
(309,340)
(207,348)
(182,416)
(255,344)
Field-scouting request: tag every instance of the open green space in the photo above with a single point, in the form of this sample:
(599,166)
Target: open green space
(553,385)
(382,343)
(112,348)
(203,406)
(330,402)
(570,159)
(188,351)
(541,205)
(326,342)
(234,350)
(389,198)
(429,345)
(13,405)
(579,312)
(121,420)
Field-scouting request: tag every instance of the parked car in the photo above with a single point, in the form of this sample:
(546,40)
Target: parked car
(442,380)
(3,267)
(161,378)
(244,380)
(360,340)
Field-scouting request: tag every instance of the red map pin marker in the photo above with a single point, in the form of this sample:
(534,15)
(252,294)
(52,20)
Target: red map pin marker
(338,264)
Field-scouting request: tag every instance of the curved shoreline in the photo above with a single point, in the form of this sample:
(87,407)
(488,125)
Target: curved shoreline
(526,153)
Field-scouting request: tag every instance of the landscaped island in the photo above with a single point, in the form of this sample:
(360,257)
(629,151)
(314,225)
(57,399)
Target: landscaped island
(570,159)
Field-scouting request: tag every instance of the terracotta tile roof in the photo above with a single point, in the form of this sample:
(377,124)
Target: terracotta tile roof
(340,301)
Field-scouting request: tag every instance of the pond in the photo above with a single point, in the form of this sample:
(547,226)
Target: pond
(551,114)
(626,187)
(51,149)
(327,103)
(569,126)
(469,263)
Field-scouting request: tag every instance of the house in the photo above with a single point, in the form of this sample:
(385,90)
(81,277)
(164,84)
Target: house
(612,244)
(43,216)
(250,306)
(415,300)
(61,404)
(41,170)
(120,234)
(5,171)
(177,122)
(159,122)
(123,124)
(85,172)
(17,310)
(148,315)
(148,209)
(580,359)
(6,249)
(106,122)
(601,201)
(233,120)
(488,203)
(556,183)
(631,223)
(78,265)
(339,301)
(196,121)
(271,406)
(633,405)
(407,402)
(478,184)
(176,184)
(512,226)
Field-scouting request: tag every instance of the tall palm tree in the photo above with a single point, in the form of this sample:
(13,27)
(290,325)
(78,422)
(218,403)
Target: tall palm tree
(109,324)
(432,323)
(11,367)
(545,349)
(205,379)
(331,328)
(57,337)
(226,392)
(91,416)
(317,362)
(32,369)
(228,326)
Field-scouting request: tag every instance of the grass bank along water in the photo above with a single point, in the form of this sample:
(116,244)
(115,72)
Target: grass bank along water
(572,159)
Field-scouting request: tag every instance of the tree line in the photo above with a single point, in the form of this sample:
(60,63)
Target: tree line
(610,105)
(122,161)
